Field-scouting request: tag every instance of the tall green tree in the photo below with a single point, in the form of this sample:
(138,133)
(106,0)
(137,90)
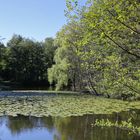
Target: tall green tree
(26,60)
(49,48)
(104,39)
(2,60)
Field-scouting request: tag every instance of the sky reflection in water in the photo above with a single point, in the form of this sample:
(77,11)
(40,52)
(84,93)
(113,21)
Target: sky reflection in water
(69,128)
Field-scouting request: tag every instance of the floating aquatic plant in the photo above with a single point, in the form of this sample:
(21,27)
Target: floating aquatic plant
(63,106)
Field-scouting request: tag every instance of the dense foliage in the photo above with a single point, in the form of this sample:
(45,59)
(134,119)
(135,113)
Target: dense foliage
(26,61)
(99,49)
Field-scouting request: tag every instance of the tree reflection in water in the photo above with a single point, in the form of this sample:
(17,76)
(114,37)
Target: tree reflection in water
(68,128)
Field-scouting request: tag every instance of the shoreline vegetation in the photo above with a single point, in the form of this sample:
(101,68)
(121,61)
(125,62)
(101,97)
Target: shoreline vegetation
(8,88)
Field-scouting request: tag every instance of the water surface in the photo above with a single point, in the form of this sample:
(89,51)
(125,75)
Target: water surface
(67,128)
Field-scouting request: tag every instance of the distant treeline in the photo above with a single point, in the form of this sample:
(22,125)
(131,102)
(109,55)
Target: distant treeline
(26,61)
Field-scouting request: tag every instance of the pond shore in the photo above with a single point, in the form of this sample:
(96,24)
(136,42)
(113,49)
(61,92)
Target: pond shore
(35,93)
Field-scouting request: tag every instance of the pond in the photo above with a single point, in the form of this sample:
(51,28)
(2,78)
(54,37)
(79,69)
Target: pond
(67,128)
(34,116)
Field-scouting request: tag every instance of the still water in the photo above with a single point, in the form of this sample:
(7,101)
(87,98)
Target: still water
(69,128)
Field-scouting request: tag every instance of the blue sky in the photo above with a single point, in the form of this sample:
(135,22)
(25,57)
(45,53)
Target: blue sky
(35,19)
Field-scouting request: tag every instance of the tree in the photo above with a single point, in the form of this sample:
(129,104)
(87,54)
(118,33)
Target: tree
(49,48)
(26,60)
(2,60)
(101,48)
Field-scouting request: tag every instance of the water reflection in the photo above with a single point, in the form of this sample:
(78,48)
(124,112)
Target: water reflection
(70,128)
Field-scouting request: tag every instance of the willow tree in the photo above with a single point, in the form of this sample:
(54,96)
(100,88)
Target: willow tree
(66,64)
(104,38)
